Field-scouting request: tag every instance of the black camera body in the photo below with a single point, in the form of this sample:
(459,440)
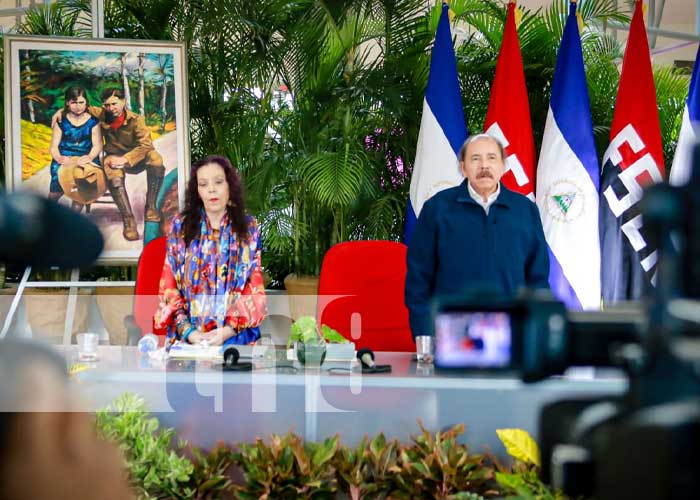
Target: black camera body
(531,335)
(644,444)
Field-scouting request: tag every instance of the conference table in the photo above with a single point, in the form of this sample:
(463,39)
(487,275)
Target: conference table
(206,405)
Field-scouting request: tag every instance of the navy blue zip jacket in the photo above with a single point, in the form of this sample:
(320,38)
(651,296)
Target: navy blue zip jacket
(455,246)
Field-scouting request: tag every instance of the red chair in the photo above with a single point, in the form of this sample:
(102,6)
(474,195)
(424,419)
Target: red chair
(371,274)
(148,273)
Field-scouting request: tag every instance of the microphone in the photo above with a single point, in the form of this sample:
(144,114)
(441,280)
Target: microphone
(231,364)
(366,357)
(35,231)
(231,356)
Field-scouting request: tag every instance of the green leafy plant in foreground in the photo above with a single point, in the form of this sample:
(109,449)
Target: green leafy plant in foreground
(158,469)
(437,466)
(287,468)
(367,471)
(521,481)
(433,465)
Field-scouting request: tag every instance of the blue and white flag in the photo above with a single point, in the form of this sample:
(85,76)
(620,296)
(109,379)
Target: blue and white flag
(690,131)
(442,128)
(568,180)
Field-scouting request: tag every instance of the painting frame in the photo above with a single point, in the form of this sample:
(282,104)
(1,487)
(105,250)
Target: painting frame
(26,148)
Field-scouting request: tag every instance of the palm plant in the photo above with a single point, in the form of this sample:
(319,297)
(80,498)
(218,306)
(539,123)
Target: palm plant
(338,157)
(66,18)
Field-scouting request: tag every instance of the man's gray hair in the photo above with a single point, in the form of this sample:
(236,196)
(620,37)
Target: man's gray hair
(476,137)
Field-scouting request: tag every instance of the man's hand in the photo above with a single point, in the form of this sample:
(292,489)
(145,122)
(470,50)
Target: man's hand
(116,162)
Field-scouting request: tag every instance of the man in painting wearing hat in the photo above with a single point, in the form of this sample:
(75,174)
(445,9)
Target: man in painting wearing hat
(129,149)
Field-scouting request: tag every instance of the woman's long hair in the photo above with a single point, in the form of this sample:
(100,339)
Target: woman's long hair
(73,93)
(192,215)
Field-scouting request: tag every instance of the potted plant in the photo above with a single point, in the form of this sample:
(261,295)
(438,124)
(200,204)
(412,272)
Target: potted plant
(310,342)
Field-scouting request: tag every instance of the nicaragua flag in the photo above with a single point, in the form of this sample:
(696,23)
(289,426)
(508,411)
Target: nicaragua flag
(634,159)
(442,128)
(568,179)
(690,131)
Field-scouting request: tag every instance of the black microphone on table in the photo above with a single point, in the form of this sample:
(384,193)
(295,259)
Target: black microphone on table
(231,364)
(366,357)
(38,232)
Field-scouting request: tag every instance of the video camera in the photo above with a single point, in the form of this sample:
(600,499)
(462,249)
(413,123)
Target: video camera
(646,443)
(531,335)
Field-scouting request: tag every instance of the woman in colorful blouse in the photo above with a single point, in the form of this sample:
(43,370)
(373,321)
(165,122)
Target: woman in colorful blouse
(211,289)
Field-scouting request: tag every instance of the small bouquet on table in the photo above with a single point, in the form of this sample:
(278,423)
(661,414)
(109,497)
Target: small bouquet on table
(312,346)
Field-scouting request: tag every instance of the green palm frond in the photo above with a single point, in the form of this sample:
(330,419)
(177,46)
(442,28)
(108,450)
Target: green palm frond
(277,228)
(335,178)
(601,54)
(146,19)
(487,28)
(671,93)
(52,20)
(382,219)
(82,10)
(600,47)
(603,10)
(592,12)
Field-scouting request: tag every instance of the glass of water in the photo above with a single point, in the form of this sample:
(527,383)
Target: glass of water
(425,348)
(87,346)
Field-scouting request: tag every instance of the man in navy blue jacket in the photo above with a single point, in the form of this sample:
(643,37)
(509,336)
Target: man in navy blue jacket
(476,235)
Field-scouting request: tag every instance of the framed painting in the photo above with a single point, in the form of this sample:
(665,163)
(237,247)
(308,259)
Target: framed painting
(101,126)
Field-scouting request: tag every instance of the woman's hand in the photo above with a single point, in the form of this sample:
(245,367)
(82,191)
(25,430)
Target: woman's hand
(83,160)
(195,337)
(219,336)
(64,160)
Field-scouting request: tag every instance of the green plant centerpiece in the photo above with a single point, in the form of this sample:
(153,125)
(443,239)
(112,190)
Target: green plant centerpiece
(310,341)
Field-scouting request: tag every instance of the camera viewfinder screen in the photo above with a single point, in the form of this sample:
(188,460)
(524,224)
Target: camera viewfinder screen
(473,340)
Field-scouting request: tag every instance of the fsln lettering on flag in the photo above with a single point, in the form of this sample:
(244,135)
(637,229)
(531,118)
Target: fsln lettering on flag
(633,160)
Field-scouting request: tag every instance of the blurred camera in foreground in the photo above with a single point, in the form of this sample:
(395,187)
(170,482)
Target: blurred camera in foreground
(37,232)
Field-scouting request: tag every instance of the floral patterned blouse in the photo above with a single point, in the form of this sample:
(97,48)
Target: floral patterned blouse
(215,281)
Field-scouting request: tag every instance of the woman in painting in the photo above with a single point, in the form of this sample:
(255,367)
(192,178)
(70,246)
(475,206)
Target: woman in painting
(74,141)
(211,288)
